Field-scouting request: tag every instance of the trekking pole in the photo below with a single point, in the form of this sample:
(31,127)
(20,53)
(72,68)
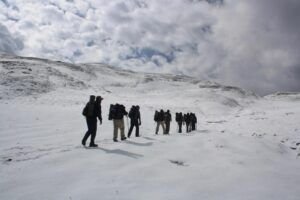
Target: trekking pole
(127,123)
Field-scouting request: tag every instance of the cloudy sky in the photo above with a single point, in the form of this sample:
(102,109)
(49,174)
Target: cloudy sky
(253,44)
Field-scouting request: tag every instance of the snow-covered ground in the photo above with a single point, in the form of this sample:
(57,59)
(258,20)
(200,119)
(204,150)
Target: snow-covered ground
(245,146)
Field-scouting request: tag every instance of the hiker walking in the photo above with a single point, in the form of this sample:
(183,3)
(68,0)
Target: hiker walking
(135,120)
(193,121)
(91,111)
(179,120)
(159,118)
(116,113)
(167,119)
(187,120)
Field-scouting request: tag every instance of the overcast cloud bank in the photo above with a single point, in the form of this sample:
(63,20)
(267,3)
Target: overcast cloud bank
(251,44)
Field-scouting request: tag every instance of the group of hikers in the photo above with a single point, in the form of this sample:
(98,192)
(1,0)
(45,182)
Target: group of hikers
(164,119)
(92,111)
(189,119)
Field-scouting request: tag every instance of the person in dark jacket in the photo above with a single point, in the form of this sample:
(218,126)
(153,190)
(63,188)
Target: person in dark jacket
(135,120)
(91,111)
(156,116)
(179,120)
(187,120)
(119,112)
(167,119)
(160,122)
(193,121)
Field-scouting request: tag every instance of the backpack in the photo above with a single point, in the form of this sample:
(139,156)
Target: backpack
(132,112)
(177,117)
(89,110)
(156,116)
(119,111)
(112,112)
(167,117)
(194,118)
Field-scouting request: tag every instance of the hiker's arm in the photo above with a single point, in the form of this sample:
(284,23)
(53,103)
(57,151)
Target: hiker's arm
(99,114)
(139,118)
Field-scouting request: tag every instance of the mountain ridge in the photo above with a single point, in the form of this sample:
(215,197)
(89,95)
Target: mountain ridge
(29,76)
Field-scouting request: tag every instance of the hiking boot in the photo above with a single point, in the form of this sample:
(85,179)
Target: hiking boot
(124,138)
(93,145)
(83,143)
(115,140)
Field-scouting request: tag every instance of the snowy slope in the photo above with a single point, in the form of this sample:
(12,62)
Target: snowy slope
(246,147)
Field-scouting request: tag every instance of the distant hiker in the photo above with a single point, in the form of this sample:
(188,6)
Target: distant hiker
(135,120)
(193,121)
(187,120)
(167,119)
(159,118)
(179,120)
(184,120)
(116,113)
(91,111)
(156,116)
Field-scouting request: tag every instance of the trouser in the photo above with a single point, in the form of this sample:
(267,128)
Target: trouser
(92,129)
(162,124)
(193,126)
(187,127)
(179,127)
(119,124)
(167,127)
(136,125)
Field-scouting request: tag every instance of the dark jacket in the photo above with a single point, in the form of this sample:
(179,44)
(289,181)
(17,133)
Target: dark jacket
(179,117)
(193,118)
(160,116)
(187,118)
(134,114)
(167,117)
(92,110)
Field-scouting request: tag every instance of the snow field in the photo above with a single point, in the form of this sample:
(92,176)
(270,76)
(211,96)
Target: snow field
(245,147)
(222,160)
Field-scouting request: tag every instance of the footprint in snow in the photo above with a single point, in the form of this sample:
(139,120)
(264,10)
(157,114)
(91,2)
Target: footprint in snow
(6,160)
(219,146)
(178,162)
(293,148)
(216,122)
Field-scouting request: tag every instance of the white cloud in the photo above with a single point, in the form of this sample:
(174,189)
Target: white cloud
(8,43)
(252,44)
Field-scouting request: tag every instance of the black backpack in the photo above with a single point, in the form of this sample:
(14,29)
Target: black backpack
(112,112)
(89,110)
(167,117)
(156,116)
(133,112)
(177,117)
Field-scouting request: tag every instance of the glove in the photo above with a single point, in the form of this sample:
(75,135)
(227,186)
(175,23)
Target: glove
(140,123)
